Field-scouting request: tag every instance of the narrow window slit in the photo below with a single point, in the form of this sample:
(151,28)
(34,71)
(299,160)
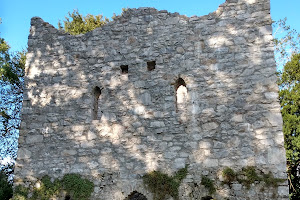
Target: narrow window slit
(180,94)
(151,65)
(124,69)
(97,93)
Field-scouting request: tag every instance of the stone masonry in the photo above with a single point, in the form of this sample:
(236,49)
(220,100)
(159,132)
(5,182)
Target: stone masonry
(154,90)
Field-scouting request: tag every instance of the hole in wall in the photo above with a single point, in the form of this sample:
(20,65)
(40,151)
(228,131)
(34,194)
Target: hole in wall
(135,196)
(68,197)
(207,198)
(96,94)
(151,65)
(124,69)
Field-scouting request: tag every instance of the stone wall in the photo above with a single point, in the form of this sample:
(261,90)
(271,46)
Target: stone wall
(154,90)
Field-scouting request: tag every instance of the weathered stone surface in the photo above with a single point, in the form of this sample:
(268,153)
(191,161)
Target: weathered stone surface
(154,90)
(23,153)
(34,139)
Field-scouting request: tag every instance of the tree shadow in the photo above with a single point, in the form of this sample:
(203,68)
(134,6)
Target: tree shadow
(231,115)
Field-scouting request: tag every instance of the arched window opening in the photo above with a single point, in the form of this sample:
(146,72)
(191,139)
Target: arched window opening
(97,93)
(181,94)
(135,196)
(68,197)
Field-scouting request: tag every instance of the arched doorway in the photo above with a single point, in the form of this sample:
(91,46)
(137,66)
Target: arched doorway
(135,196)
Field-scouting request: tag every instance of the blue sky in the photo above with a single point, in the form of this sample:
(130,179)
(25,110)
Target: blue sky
(16,14)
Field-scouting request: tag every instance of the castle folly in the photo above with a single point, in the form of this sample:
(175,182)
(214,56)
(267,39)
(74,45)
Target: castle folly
(154,90)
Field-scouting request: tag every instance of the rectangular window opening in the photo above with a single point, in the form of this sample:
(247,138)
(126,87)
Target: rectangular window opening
(124,69)
(151,65)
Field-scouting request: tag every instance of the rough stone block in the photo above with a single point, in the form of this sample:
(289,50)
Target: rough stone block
(30,139)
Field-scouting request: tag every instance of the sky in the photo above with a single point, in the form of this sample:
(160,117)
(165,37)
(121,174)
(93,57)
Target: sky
(16,14)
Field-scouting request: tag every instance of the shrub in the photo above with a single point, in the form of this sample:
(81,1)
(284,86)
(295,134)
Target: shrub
(76,187)
(162,185)
(6,190)
(229,175)
(208,184)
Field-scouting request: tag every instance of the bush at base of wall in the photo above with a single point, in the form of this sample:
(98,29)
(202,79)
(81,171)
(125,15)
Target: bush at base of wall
(73,185)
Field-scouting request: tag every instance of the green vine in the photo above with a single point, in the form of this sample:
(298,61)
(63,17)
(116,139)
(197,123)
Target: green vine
(249,175)
(75,187)
(162,185)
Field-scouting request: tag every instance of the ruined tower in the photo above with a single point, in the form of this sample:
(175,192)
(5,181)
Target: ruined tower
(154,90)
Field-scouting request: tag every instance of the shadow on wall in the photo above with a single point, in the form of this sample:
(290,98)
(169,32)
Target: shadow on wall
(205,98)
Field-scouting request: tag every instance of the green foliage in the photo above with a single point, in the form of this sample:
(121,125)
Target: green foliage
(162,185)
(20,193)
(286,41)
(47,189)
(12,66)
(77,24)
(270,181)
(208,184)
(249,175)
(289,97)
(229,175)
(75,186)
(12,69)
(114,17)
(6,190)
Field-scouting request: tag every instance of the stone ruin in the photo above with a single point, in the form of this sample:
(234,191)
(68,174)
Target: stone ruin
(154,90)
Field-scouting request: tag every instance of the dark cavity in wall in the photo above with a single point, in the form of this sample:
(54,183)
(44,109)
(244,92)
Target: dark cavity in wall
(151,65)
(207,198)
(179,82)
(68,197)
(135,196)
(124,69)
(97,93)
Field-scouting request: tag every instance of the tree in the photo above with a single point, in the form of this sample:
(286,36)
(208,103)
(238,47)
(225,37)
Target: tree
(289,97)
(287,54)
(6,191)
(286,42)
(12,67)
(79,24)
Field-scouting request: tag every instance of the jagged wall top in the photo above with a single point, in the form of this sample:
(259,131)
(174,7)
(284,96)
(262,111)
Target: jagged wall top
(252,6)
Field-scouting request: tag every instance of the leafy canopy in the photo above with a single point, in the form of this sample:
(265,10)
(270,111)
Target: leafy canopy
(77,24)
(12,68)
(286,40)
(287,48)
(289,97)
